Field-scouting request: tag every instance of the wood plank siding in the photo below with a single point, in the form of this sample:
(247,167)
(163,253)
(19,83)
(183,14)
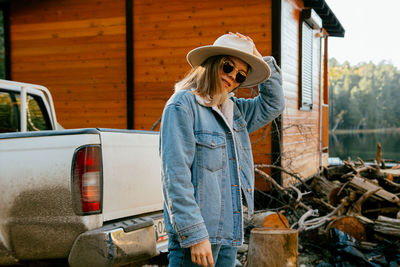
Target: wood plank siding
(164,31)
(76,49)
(301,129)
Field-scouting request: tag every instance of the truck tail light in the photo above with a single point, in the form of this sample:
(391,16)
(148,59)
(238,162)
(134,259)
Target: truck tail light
(87,180)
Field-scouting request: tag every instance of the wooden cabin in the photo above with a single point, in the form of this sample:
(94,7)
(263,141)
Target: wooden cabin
(114,63)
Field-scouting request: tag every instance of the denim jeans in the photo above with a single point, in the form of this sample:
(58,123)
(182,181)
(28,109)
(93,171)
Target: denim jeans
(223,256)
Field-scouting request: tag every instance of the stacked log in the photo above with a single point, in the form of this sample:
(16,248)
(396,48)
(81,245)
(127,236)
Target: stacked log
(331,192)
(357,199)
(388,226)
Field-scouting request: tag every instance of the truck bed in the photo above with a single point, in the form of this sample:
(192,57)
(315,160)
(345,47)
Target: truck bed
(37,219)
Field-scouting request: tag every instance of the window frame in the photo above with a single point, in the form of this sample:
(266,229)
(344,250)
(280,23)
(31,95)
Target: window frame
(14,95)
(308,23)
(15,111)
(4,7)
(306,68)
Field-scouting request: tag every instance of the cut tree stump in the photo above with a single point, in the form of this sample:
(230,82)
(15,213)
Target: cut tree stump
(273,248)
(276,221)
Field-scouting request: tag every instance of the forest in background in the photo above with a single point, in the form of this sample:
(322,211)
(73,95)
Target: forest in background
(364,96)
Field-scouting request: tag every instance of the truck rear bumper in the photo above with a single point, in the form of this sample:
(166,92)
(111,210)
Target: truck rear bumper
(115,244)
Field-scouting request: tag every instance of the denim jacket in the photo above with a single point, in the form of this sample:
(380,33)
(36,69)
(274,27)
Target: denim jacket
(207,162)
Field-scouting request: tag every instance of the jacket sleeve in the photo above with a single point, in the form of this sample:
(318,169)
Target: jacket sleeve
(268,104)
(177,149)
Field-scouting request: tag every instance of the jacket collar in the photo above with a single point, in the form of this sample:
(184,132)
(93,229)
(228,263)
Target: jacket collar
(226,109)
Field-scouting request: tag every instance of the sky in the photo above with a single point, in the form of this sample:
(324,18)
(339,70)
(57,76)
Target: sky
(372,31)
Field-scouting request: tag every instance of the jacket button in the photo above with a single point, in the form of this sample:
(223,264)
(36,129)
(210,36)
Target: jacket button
(249,190)
(212,143)
(183,237)
(240,168)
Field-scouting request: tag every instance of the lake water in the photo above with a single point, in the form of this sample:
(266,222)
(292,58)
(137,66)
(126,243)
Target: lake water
(364,145)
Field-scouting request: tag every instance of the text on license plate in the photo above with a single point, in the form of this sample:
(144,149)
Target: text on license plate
(159,226)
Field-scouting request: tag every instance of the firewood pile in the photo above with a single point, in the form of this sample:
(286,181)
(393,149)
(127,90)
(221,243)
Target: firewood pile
(347,215)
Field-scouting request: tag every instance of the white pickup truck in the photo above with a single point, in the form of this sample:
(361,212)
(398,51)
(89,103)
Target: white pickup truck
(90,195)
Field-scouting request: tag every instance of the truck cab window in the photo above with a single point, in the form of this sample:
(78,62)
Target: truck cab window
(8,114)
(37,117)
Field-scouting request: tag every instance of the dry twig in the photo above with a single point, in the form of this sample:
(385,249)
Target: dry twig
(285,171)
(279,188)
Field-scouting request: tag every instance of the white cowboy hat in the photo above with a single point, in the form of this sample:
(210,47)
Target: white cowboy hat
(232,45)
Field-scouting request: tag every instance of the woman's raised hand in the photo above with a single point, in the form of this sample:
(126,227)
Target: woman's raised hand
(201,253)
(255,51)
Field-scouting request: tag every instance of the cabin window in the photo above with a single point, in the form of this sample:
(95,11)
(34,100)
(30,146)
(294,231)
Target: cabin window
(310,21)
(306,67)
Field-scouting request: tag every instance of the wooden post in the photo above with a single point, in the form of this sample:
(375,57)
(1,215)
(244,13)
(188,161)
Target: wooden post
(273,248)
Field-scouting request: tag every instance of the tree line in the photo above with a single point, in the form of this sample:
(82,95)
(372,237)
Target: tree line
(364,96)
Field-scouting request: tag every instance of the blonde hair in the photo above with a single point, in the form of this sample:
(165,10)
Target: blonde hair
(205,81)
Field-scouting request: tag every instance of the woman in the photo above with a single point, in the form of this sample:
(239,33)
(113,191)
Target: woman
(207,163)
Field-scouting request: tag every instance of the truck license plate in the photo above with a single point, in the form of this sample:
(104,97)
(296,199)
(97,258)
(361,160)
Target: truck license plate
(159,226)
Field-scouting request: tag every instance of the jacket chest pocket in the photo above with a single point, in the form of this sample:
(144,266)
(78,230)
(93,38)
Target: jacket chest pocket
(243,139)
(211,151)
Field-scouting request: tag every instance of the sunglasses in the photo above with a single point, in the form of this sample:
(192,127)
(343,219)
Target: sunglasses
(228,67)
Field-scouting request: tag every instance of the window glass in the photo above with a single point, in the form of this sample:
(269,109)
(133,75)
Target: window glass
(306,100)
(8,116)
(37,117)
